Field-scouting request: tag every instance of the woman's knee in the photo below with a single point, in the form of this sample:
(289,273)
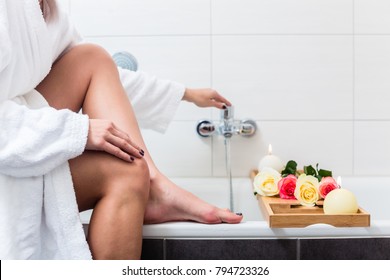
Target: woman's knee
(97,175)
(129,181)
(91,56)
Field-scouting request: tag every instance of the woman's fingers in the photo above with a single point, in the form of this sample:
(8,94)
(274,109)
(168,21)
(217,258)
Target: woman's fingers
(103,135)
(123,141)
(115,151)
(220,101)
(206,98)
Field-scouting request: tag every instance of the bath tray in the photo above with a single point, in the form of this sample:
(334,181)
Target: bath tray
(283,213)
(286,213)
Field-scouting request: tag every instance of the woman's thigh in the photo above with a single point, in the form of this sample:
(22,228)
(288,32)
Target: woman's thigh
(68,82)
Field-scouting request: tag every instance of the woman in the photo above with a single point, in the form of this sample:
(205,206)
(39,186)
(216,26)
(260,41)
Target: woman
(51,155)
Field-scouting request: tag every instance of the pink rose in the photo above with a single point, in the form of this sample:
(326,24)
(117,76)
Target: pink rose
(287,187)
(327,185)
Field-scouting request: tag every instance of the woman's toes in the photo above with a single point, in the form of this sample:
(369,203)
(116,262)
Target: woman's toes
(216,216)
(232,218)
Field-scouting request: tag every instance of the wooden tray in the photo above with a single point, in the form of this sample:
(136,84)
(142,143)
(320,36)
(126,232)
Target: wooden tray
(286,213)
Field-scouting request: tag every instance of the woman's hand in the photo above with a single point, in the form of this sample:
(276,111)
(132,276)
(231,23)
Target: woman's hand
(206,98)
(103,135)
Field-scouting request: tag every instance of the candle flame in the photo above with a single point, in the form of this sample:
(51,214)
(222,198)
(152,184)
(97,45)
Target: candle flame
(270,149)
(339,181)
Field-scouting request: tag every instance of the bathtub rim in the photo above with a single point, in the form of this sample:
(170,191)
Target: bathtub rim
(260,229)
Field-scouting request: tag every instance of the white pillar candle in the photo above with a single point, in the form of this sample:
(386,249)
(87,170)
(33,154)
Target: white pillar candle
(271,161)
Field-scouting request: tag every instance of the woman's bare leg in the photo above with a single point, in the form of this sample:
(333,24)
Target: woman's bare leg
(117,190)
(167,201)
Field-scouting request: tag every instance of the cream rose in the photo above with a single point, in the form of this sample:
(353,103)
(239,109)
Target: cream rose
(306,191)
(266,182)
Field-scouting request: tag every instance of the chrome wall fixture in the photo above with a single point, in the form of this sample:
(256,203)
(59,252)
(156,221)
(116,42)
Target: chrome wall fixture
(227,126)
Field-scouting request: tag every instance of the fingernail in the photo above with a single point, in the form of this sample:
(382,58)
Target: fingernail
(239,214)
(142,153)
(224,107)
(131,158)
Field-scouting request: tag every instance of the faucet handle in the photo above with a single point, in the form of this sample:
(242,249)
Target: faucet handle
(247,128)
(205,128)
(228,113)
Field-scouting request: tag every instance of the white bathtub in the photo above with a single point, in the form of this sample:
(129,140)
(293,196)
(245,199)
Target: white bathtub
(372,194)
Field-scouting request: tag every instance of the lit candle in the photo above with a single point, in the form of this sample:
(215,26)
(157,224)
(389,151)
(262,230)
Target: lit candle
(271,161)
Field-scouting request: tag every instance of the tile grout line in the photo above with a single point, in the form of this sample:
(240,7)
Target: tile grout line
(235,35)
(211,79)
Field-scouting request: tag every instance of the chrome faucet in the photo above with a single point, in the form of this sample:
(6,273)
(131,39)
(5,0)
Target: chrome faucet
(227,126)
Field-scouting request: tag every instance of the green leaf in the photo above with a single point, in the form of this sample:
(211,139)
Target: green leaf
(309,170)
(291,168)
(325,173)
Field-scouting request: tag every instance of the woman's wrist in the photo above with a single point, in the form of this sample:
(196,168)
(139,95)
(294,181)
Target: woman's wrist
(187,96)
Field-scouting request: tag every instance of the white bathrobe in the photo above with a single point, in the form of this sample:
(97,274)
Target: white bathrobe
(39,217)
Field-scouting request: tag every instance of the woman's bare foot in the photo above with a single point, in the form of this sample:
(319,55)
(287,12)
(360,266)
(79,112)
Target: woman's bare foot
(167,202)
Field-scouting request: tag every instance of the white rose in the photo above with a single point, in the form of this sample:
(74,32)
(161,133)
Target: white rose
(266,182)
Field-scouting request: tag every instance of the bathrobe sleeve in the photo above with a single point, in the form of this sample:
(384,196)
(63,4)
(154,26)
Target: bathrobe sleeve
(35,141)
(5,42)
(155,101)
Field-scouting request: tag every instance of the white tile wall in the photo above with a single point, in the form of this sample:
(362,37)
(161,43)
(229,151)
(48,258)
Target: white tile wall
(313,74)
(372,149)
(286,77)
(372,69)
(282,16)
(146,17)
(372,16)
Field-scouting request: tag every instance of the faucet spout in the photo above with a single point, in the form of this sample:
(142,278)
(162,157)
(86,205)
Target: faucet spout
(227,122)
